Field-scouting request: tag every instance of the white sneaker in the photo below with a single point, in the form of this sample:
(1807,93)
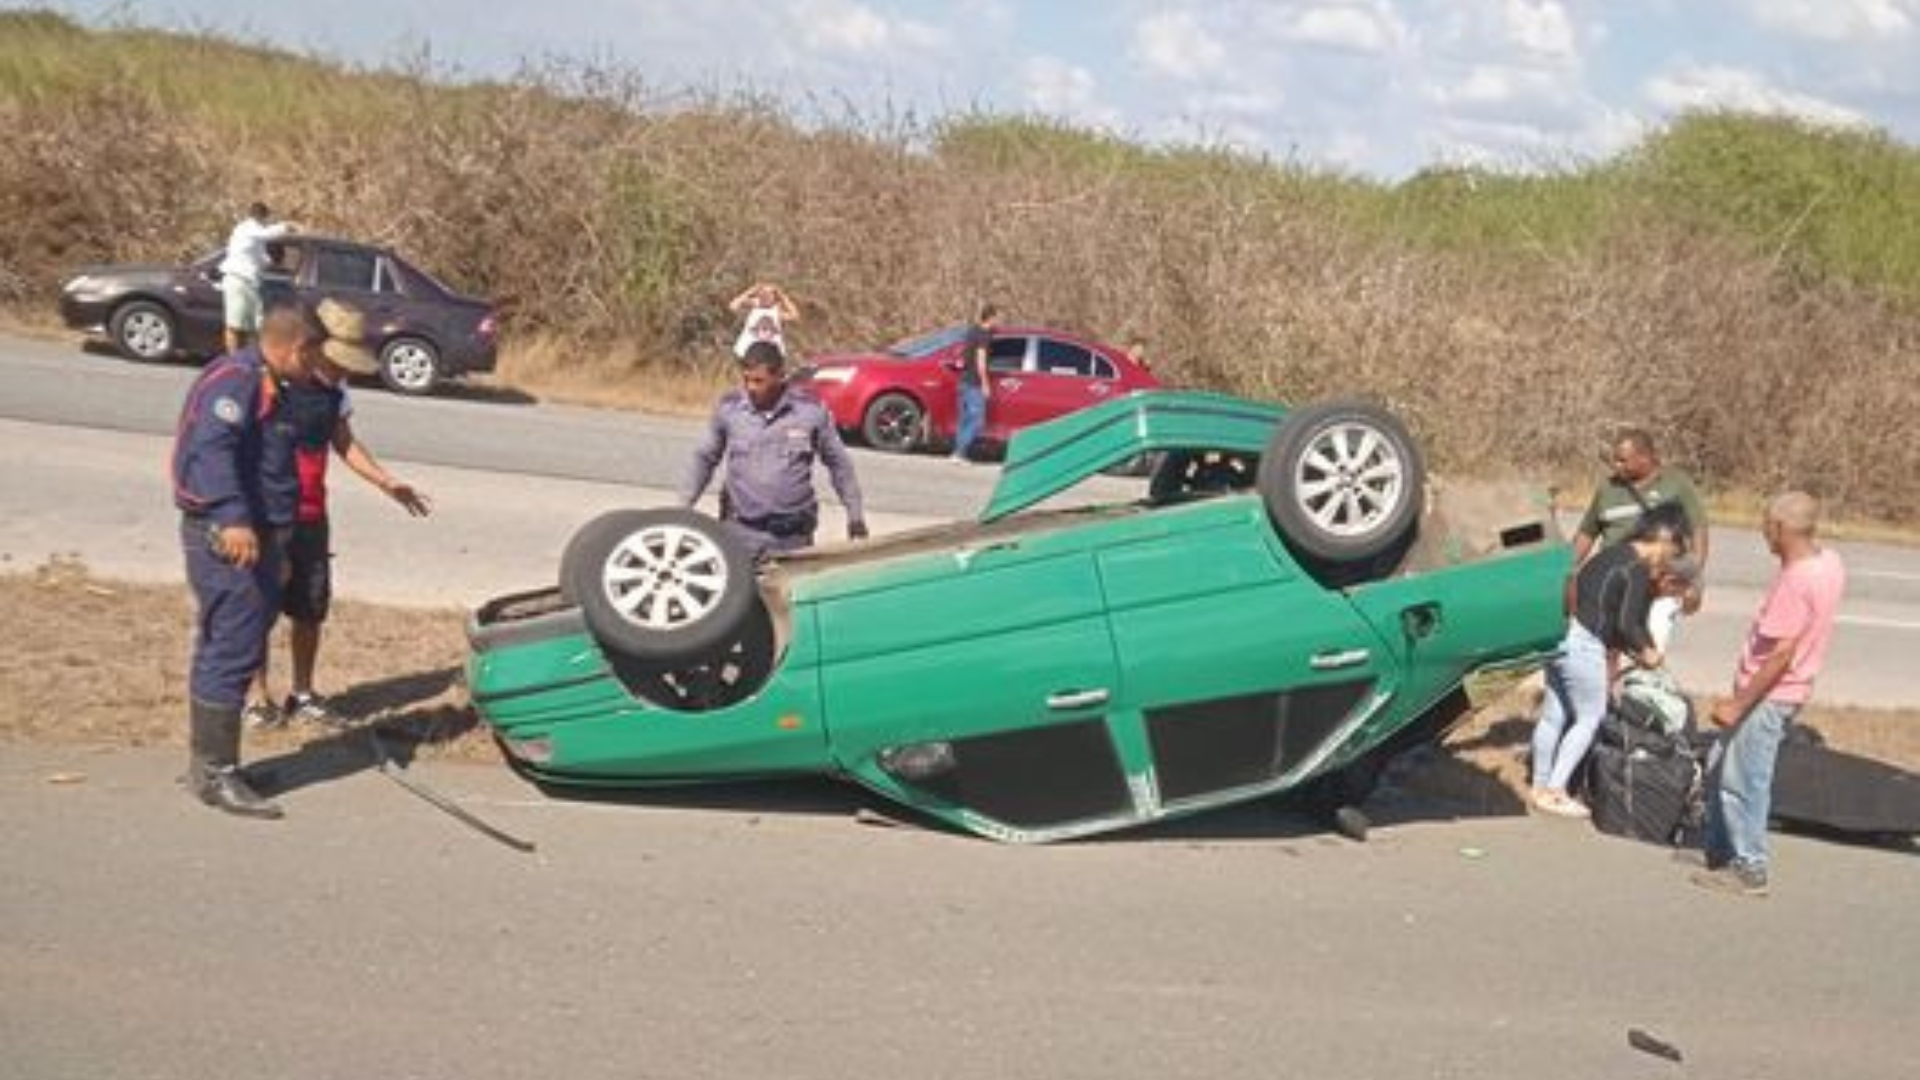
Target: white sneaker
(1560,804)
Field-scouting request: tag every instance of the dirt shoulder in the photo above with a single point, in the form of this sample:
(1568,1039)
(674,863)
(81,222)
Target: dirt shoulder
(105,663)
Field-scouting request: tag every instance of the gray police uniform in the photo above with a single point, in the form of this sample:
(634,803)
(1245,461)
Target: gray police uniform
(767,498)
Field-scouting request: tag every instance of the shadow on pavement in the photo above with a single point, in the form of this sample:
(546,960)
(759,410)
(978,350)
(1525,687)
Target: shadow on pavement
(483,392)
(402,714)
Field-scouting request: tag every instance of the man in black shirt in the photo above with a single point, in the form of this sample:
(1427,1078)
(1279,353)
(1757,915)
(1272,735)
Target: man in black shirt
(975,388)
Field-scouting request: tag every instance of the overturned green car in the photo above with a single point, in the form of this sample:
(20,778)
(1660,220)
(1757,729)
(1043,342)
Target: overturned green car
(1289,601)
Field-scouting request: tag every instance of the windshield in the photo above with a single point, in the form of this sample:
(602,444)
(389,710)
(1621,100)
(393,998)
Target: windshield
(927,344)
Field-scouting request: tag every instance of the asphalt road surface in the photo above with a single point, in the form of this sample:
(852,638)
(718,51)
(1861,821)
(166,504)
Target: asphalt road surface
(86,436)
(763,932)
(766,932)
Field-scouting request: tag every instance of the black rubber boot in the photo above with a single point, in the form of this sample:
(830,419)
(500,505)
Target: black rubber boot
(213,771)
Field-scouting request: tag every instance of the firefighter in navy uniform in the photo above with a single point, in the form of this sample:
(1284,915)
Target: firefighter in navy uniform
(237,487)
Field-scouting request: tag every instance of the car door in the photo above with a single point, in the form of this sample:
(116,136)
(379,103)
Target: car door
(200,305)
(1007,362)
(358,276)
(1240,671)
(974,683)
(1065,376)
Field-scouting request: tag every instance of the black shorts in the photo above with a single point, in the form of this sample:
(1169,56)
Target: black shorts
(309,589)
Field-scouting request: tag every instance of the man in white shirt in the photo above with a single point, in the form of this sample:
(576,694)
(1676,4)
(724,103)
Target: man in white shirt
(240,273)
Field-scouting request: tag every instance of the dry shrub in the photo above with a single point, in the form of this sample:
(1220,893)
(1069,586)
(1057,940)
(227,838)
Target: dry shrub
(102,176)
(613,223)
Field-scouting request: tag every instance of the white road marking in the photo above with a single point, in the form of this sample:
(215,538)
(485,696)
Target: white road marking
(1890,575)
(1882,624)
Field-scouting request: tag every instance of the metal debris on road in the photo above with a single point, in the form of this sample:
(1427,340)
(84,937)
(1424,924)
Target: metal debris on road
(1646,1043)
(458,812)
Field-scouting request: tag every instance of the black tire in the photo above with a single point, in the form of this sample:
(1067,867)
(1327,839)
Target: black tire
(1343,482)
(410,366)
(729,675)
(894,422)
(143,330)
(667,585)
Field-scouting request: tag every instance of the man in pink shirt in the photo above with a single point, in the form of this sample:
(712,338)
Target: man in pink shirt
(1785,647)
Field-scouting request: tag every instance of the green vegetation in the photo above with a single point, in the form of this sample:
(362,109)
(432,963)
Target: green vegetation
(1747,286)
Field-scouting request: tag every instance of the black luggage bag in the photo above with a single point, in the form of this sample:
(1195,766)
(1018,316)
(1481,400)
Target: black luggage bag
(1815,785)
(1641,785)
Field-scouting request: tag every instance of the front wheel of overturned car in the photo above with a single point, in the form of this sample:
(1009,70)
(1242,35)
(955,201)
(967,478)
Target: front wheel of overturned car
(410,366)
(143,330)
(893,423)
(1344,483)
(662,585)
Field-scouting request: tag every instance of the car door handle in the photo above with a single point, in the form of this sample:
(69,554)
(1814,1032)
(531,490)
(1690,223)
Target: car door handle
(1077,699)
(1334,661)
(1007,384)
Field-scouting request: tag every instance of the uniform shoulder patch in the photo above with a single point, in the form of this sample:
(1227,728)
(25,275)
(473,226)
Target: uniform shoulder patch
(227,410)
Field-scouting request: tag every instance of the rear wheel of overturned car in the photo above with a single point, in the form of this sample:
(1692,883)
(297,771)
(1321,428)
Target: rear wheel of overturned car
(410,365)
(142,330)
(1344,483)
(893,423)
(661,585)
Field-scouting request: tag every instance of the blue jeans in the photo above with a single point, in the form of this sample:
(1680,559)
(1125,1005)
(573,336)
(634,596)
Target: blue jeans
(973,417)
(1576,690)
(1740,786)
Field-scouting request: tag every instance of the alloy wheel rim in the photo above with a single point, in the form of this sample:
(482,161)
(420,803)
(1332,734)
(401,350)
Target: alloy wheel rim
(145,333)
(665,577)
(896,424)
(1351,479)
(411,366)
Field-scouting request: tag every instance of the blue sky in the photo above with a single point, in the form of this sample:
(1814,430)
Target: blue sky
(1374,87)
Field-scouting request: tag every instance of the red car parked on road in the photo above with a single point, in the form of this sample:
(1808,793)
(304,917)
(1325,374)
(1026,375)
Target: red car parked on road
(904,398)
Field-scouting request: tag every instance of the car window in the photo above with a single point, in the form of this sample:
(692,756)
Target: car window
(336,268)
(1103,368)
(927,344)
(415,282)
(1061,358)
(385,280)
(285,257)
(1007,354)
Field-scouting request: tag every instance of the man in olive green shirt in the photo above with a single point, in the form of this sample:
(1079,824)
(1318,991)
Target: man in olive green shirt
(1638,484)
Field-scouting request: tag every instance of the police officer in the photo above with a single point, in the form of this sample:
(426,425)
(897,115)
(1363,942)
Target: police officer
(237,488)
(769,436)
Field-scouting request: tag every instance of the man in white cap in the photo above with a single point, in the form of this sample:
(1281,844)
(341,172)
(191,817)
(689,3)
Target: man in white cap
(320,416)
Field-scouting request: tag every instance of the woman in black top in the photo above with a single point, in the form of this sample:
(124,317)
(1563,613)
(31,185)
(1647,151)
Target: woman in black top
(1612,592)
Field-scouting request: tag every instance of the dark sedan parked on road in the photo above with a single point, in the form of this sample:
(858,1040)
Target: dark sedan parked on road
(422,330)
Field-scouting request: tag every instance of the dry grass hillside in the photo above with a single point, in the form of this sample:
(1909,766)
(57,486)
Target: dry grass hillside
(1749,288)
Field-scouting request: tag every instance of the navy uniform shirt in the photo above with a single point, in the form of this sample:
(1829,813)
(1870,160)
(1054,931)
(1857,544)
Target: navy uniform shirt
(770,457)
(233,453)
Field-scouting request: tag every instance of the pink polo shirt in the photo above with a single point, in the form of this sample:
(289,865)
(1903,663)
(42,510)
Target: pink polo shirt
(1801,604)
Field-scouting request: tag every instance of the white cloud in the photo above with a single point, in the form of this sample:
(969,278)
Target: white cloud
(1539,27)
(849,27)
(1486,85)
(1363,28)
(1057,88)
(1863,21)
(1734,88)
(1173,43)
(1248,103)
